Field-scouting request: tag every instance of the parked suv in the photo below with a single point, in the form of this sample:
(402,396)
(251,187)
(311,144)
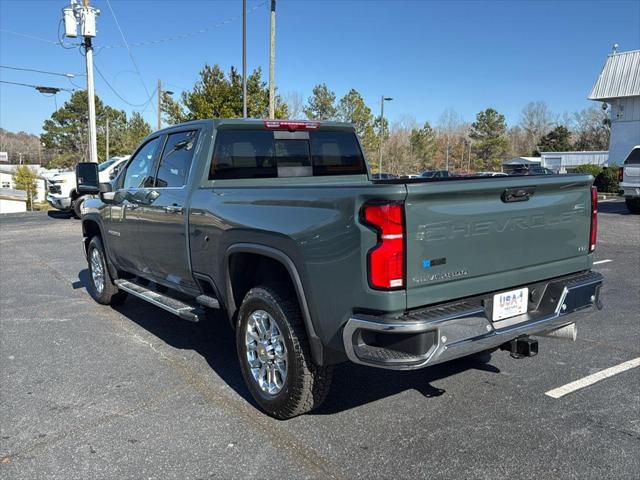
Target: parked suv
(279,225)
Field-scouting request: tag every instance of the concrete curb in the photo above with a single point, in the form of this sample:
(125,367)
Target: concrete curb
(608,196)
(23,214)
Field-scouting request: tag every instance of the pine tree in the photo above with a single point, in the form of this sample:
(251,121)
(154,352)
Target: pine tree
(490,144)
(25,179)
(321,104)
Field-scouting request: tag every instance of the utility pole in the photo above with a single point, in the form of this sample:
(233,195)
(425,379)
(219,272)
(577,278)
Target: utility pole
(272,61)
(93,139)
(447,155)
(106,154)
(85,15)
(381,133)
(244,58)
(160,94)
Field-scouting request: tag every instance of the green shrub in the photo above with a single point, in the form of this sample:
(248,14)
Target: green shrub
(594,170)
(607,180)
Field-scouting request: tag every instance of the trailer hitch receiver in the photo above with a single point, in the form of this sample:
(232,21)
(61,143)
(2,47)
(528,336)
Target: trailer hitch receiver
(521,347)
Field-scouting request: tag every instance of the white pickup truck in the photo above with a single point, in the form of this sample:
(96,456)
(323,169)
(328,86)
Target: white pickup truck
(630,180)
(61,191)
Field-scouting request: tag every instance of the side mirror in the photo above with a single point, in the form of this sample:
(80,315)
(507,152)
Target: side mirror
(107,195)
(87,182)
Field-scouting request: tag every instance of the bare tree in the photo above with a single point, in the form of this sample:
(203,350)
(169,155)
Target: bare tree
(295,104)
(536,120)
(451,128)
(591,128)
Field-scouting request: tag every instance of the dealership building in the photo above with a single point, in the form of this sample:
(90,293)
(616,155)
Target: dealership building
(618,85)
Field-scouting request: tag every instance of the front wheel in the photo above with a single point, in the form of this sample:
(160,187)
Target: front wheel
(274,354)
(101,286)
(76,205)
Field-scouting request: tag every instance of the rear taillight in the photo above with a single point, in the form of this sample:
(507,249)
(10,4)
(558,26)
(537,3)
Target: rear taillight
(593,233)
(387,259)
(621,174)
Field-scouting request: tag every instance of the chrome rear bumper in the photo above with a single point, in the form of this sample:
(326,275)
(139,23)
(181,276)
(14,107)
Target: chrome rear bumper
(447,331)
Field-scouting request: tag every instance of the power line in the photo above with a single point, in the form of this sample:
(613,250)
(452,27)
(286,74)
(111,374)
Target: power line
(40,88)
(115,92)
(133,61)
(33,37)
(67,75)
(183,36)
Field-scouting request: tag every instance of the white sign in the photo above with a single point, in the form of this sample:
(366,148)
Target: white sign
(4,157)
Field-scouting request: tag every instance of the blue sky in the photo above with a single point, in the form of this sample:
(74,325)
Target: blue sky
(428,55)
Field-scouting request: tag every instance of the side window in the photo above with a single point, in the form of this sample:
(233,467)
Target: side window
(176,159)
(139,171)
(243,154)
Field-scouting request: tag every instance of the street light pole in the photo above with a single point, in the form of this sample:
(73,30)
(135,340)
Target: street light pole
(244,58)
(381,132)
(272,61)
(106,155)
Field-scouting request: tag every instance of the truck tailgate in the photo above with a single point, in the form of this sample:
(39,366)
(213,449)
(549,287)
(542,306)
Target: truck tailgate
(466,237)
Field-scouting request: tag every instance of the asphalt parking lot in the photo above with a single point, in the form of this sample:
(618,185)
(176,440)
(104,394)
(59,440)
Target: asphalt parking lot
(87,391)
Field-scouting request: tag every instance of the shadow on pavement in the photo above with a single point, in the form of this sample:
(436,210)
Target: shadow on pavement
(613,207)
(353,385)
(58,214)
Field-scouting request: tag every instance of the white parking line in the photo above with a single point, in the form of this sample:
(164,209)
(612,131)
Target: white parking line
(602,261)
(591,379)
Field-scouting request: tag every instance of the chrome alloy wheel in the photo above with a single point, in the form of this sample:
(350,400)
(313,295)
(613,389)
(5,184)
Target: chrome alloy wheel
(97,270)
(266,352)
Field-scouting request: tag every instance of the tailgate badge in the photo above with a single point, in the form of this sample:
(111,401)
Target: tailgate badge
(434,262)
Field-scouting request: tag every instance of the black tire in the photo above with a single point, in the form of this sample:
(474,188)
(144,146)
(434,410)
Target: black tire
(633,204)
(306,385)
(109,294)
(76,204)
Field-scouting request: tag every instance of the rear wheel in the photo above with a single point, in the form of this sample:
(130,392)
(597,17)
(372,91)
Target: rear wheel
(101,286)
(274,354)
(633,204)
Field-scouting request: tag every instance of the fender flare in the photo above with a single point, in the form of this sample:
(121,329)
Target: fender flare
(314,340)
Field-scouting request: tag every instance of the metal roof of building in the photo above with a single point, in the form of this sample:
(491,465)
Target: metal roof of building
(523,161)
(620,77)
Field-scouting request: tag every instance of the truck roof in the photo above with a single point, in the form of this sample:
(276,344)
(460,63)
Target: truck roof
(260,123)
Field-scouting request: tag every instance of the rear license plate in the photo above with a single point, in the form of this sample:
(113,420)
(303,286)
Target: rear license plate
(510,304)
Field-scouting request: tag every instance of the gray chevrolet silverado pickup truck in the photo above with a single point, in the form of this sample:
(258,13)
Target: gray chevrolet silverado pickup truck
(279,225)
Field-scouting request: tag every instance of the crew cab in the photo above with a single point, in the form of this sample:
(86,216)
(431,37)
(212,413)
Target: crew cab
(279,225)
(61,187)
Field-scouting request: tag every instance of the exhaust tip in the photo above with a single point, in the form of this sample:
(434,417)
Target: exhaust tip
(568,332)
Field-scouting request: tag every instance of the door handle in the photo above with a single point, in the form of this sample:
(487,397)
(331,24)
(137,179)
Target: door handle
(173,209)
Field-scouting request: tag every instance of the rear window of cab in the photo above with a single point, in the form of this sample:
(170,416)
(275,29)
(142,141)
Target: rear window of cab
(246,153)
